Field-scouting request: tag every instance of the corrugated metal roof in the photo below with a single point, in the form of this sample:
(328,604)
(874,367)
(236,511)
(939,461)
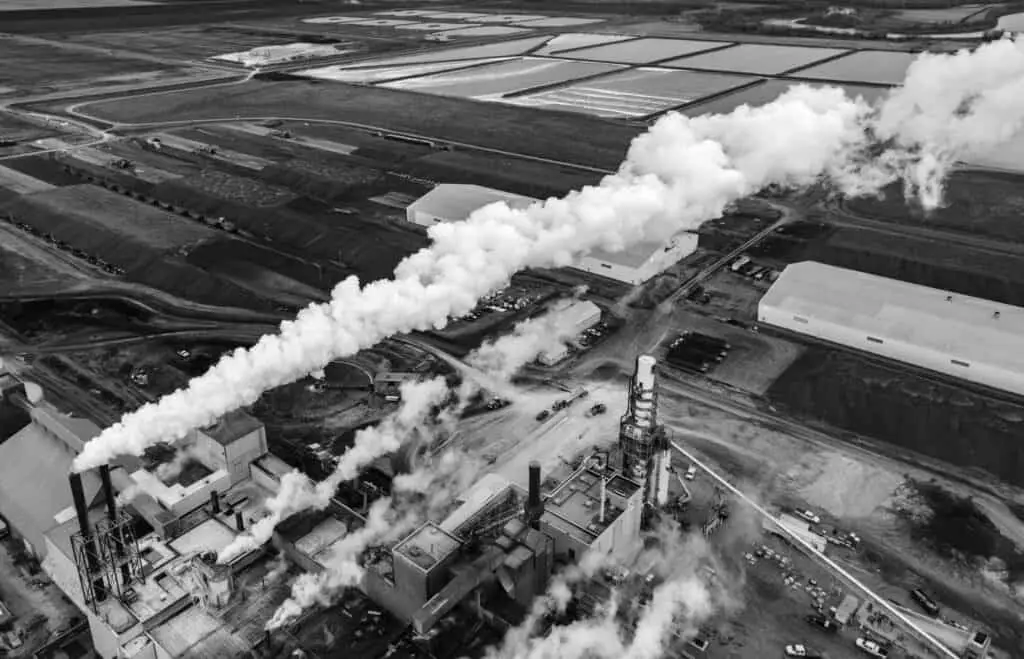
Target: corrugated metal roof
(962,327)
(34,468)
(233,425)
(456,201)
(474,500)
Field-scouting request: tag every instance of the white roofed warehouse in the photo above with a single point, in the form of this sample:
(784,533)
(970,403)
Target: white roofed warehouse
(450,202)
(957,335)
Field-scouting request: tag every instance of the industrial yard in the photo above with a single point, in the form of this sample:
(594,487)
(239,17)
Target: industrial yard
(736,408)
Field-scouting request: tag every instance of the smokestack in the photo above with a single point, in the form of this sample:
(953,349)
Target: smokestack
(239,521)
(534,505)
(78,495)
(215,502)
(603,497)
(108,493)
(534,501)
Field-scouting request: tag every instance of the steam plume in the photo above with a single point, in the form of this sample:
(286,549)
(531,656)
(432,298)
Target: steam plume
(683,171)
(297,492)
(504,356)
(419,496)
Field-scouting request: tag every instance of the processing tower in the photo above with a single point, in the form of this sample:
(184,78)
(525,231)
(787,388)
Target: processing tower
(643,442)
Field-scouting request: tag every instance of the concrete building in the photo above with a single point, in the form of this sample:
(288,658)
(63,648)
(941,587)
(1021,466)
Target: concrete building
(581,315)
(451,202)
(960,336)
(387,386)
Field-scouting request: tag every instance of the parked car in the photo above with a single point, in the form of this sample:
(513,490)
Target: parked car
(801,651)
(691,473)
(925,602)
(872,647)
(543,414)
(599,408)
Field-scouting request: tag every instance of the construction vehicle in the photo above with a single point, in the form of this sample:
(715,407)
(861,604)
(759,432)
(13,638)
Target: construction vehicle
(206,149)
(573,397)
(121,163)
(282,134)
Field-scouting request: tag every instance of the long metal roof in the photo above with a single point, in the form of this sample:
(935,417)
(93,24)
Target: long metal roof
(971,329)
(456,201)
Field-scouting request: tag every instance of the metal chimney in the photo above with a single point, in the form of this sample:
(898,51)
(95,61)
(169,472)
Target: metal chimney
(78,495)
(108,493)
(239,521)
(534,505)
(604,496)
(215,502)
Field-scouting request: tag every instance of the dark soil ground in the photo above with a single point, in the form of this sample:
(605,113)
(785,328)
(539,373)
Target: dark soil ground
(930,416)
(986,204)
(550,135)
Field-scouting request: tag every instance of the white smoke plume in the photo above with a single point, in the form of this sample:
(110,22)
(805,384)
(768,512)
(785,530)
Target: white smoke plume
(419,496)
(342,565)
(683,171)
(686,598)
(547,332)
(298,493)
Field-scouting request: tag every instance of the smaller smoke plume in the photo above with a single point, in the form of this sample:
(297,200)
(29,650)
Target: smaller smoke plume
(686,598)
(298,493)
(424,494)
(546,333)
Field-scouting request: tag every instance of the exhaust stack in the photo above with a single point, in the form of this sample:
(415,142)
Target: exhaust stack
(91,554)
(239,521)
(81,510)
(534,504)
(108,493)
(215,502)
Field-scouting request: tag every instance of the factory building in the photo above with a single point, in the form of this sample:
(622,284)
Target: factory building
(387,386)
(582,315)
(450,202)
(960,336)
(502,544)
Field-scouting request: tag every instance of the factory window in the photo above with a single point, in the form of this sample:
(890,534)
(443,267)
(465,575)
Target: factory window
(800,319)
(960,363)
(875,340)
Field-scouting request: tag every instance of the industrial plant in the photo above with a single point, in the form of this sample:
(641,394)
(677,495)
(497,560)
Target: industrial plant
(134,544)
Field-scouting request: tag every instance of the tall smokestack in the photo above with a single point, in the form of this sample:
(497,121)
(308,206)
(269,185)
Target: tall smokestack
(78,495)
(108,493)
(534,505)
(603,497)
(239,521)
(215,502)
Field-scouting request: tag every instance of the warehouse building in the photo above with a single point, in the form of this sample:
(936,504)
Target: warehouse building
(957,335)
(450,202)
(582,315)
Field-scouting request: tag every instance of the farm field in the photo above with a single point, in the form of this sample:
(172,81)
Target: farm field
(551,135)
(29,5)
(976,203)
(14,128)
(871,66)
(499,49)
(756,58)
(922,414)
(768,91)
(643,51)
(39,67)
(496,80)
(374,74)
(572,40)
(485,31)
(634,93)
(1009,156)
(940,15)
(936,263)
(93,208)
